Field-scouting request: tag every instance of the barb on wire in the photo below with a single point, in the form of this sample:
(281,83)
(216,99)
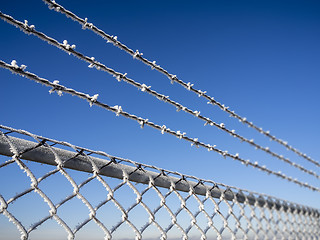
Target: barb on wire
(144,88)
(173,78)
(119,111)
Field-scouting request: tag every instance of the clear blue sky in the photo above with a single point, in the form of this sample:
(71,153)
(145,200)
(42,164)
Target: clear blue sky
(261,58)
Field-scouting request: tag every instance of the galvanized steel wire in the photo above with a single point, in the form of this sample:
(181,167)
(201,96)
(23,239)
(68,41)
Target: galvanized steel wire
(276,218)
(258,215)
(173,78)
(144,88)
(55,86)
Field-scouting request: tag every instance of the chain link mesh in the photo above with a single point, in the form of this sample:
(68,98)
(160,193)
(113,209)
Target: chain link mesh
(127,200)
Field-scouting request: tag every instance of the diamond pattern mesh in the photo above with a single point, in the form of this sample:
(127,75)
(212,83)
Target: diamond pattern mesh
(81,194)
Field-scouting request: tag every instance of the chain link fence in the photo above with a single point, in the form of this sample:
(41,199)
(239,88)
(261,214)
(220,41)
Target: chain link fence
(55,189)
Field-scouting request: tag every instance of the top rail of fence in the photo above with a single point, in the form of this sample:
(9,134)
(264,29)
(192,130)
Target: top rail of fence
(39,151)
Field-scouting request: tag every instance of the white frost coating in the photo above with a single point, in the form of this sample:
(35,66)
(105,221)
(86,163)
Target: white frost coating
(26,26)
(210,148)
(23,232)
(164,98)
(224,107)
(173,78)
(114,39)
(189,86)
(23,67)
(14,64)
(196,113)
(181,108)
(59,92)
(68,46)
(154,65)
(143,122)
(146,61)
(120,76)
(144,87)
(212,101)
(118,110)
(180,135)
(224,153)
(133,117)
(185,202)
(86,24)
(93,99)
(201,93)
(159,96)
(91,65)
(195,142)
(207,122)
(163,128)
(136,54)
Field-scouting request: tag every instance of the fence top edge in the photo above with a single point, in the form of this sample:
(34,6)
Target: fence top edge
(183,182)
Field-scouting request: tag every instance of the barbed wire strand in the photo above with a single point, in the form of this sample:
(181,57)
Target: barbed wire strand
(144,88)
(173,78)
(55,86)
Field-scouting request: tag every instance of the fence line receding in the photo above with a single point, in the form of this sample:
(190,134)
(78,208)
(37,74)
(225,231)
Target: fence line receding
(170,205)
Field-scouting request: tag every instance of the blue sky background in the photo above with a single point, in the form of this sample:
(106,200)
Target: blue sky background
(261,58)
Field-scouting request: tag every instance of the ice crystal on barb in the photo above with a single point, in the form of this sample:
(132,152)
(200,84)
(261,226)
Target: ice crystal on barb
(180,135)
(153,65)
(173,78)
(144,87)
(85,24)
(120,76)
(189,86)
(93,99)
(118,110)
(201,93)
(91,65)
(143,122)
(195,142)
(23,67)
(59,92)
(136,54)
(163,128)
(14,64)
(26,26)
